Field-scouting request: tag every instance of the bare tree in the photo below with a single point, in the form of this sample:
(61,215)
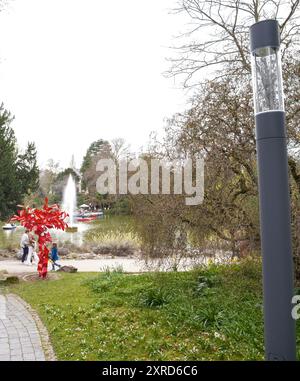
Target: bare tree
(120,148)
(48,176)
(219,125)
(217,40)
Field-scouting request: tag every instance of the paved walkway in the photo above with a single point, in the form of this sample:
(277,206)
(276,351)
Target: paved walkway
(85,265)
(20,338)
(129,265)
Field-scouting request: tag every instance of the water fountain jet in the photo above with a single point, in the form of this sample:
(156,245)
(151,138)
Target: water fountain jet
(70,203)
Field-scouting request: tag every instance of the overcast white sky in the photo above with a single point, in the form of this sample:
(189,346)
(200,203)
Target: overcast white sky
(73,71)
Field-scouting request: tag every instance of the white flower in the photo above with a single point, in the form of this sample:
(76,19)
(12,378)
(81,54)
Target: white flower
(219,336)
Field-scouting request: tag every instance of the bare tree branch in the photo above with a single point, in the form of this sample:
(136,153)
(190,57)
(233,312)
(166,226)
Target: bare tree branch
(217,40)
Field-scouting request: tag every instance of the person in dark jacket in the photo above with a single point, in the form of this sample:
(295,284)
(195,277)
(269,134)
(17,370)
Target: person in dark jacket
(54,256)
(24,245)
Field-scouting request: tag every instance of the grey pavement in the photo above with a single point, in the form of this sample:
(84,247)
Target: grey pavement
(130,265)
(19,336)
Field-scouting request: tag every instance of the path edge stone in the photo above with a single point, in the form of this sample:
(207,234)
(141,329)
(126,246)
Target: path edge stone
(44,335)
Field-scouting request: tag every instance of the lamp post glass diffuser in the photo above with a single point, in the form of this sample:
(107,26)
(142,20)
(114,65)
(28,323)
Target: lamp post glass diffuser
(274,200)
(267,79)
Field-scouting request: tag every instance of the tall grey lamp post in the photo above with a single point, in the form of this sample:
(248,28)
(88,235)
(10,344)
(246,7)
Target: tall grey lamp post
(275,219)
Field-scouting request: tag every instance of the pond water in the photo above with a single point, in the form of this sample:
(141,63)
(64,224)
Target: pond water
(11,238)
(102,229)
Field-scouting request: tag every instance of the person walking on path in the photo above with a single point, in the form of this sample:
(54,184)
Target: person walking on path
(54,256)
(31,251)
(25,245)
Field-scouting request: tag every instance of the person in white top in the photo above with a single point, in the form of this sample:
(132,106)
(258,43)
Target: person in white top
(31,251)
(24,245)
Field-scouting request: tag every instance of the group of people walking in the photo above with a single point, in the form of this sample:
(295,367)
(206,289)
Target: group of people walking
(28,246)
(29,255)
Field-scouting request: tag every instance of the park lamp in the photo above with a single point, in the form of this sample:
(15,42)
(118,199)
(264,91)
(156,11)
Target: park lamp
(266,67)
(273,184)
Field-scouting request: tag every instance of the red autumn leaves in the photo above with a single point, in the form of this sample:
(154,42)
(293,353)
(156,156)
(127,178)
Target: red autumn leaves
(38,221)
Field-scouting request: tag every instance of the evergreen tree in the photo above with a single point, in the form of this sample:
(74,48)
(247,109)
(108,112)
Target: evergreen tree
(27,170)
(97,150)
(10,194)
(94,150)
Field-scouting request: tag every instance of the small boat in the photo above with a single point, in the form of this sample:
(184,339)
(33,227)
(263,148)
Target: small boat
(9,227)
(94,214)
(86,219)
(88,214)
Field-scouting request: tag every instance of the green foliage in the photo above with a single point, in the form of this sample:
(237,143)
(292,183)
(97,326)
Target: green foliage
(65,174)
(59,182)
(93,150)
(249,269)
(10,192)
(82,199)
(205,282)
(104,282)
(154,316)
(9,280)
(154,298)
(98,149)
(27,170)
(18,172)
(121,206)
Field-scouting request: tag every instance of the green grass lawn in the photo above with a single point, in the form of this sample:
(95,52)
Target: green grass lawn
(212,314)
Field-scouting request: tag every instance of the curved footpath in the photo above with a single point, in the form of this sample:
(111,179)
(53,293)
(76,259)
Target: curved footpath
(128,265)
(84,265)
(23,337)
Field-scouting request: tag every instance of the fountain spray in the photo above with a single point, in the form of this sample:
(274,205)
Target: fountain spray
(69,199)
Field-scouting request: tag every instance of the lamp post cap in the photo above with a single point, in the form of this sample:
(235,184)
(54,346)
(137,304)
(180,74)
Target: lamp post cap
(264,33)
